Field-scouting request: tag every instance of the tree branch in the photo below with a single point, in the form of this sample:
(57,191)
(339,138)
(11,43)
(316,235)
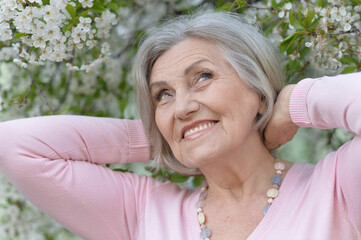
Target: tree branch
(25,98)
(67,87)
(259,8)
(33,82)
(353,30)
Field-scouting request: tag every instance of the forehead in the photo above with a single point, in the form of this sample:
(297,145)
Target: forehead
(180,56)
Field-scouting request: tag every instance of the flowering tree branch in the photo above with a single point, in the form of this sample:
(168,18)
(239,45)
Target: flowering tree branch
(33,82)
(81,50)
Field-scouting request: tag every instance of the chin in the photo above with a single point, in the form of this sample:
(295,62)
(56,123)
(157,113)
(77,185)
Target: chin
(195,161)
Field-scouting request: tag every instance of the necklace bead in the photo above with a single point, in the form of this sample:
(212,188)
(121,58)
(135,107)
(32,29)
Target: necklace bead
(201,218)
(205,233)
(272,193)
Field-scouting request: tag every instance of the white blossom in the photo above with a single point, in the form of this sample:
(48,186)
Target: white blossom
(78,35)
(59,4)
(50,13)
(45,53)
(32,12)
(38,28)
(347,27)
(59,44)
(335,14)
(40,2)
(38,41)
(308,44)
(104,23)
(334,63)
(52,33)
(22,22)
(91,43)
(86,3)
(285,10)
(20,63)
(5,32)
(85,24)
(105,48)
(27,41)
(57,56)
(24,54)
(325,12)
(7,53)
(72,67)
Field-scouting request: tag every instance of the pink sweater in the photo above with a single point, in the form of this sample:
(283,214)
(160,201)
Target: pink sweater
(56,162)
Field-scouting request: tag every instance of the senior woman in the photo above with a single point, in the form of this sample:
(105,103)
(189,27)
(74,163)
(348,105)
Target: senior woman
(206,88)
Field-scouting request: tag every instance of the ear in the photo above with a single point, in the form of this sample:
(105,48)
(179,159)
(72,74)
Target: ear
(262,105)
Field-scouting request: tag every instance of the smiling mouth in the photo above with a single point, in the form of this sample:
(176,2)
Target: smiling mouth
(200,127)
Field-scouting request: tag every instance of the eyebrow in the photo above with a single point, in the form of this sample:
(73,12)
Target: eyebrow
(186,71)
(189,68)
(157,83)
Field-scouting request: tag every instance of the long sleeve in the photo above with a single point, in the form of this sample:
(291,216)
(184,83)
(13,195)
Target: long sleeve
(56,163)
(328,102)
(335,102)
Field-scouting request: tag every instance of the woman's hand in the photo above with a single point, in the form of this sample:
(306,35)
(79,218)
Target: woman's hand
(280,129)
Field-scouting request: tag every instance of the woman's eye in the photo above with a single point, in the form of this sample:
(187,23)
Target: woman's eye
(163,94)
(204,76)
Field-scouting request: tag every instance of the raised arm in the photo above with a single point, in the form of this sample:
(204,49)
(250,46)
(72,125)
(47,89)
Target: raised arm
(335,102)
(328,102)
(55,162)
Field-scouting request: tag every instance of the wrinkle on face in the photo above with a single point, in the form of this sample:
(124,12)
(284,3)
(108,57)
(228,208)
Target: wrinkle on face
(226,100)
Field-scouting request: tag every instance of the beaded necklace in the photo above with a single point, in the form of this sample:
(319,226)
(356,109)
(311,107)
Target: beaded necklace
(272,193)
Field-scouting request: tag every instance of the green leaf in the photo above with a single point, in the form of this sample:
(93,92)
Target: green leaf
(98,8)
(288,42)
(178,178)
(113,6)
(322,3)
(241,3)
(121,3)
(85,14)
(304,52)
(310,15)
(299,44)
(355,2)
(67,27)
(31,49)
(19,35)
(226,7)
(314,24)
(123,104)
(349,69)
(71,10)
(269,29)
(348,60)
(275,4)
(121,170)
(300,14)
(294,22)
(197,181)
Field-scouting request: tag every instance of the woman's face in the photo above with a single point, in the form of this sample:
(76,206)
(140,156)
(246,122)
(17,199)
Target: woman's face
(203,109)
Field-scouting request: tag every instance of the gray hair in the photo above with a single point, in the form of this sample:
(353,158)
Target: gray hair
(252,55)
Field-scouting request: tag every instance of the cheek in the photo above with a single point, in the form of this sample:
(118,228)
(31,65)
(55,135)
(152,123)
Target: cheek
(163,124)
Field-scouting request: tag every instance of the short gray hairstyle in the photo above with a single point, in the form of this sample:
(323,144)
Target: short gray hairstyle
(249,52)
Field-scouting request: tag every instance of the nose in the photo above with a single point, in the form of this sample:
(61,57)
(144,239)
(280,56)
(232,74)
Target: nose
(185,106)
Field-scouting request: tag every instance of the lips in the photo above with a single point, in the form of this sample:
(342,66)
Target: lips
(196,127)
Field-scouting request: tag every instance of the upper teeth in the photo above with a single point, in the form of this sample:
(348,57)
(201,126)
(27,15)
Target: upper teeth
(198,128)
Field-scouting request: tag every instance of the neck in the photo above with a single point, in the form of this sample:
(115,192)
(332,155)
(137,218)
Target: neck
(243,173)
